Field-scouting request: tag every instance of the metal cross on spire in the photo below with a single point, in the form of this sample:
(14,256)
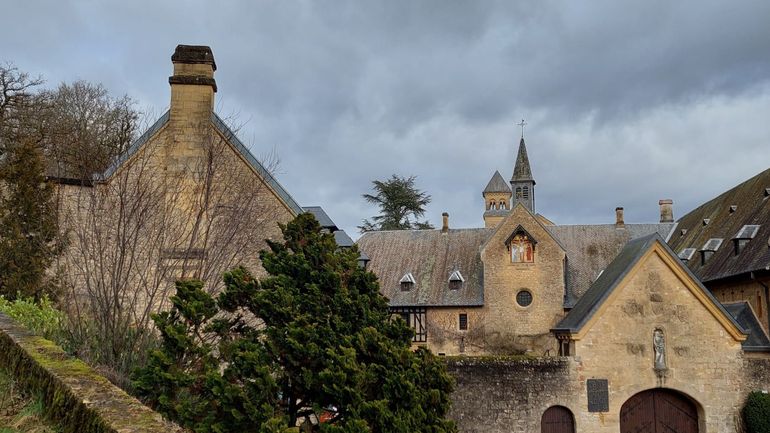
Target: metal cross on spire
(522,124)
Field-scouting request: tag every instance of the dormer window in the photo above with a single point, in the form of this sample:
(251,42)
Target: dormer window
(407,282)
(456,280)
(522,246)
(744,236)
(709,248)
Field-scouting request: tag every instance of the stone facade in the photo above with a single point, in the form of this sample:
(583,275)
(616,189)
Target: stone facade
(187,200)
(509,323)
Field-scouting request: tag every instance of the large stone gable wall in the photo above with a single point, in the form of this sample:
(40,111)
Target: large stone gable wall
(505,321)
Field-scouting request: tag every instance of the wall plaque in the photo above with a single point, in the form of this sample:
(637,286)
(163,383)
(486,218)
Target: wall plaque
(598,395)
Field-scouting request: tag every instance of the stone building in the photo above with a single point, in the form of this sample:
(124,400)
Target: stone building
(188,199)
(622,334)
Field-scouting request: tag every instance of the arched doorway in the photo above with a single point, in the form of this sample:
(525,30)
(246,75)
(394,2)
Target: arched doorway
(658,411)
(557,419)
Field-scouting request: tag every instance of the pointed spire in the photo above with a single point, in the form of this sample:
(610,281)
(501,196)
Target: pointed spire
(497,184)
(521,171)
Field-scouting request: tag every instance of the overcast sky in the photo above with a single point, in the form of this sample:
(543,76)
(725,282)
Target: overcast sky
(626,103)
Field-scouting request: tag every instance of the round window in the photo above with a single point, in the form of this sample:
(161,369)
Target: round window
(524,298)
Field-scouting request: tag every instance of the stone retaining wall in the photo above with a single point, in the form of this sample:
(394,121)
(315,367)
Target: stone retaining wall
(74,395)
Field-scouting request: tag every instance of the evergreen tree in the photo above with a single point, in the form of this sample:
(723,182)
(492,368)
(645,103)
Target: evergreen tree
(401,205)
(29,231)
(312,344)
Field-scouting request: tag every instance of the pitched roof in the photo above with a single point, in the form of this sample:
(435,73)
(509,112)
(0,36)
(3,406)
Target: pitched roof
(431,256)
(497,184)
(255,164)
(600,290)
(321,216)
(751,207)
(521,171)
(757,340)
(134,147)
(231,138)
(591,248)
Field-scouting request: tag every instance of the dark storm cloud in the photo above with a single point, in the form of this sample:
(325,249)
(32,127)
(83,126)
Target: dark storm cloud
(627,102)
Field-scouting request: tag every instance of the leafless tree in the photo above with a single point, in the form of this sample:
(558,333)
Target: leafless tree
(153,221)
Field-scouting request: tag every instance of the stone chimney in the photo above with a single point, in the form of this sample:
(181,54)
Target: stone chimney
(445,224)
(192,85)
(619,217)
(666,210)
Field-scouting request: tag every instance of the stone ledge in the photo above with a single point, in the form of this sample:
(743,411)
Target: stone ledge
(74,395)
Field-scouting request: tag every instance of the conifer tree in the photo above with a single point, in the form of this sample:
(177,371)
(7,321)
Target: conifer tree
(29,231)
(312,344)
(401,205)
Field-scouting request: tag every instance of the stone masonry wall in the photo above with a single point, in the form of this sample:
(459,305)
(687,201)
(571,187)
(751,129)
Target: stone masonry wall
(74,395)
(509,395)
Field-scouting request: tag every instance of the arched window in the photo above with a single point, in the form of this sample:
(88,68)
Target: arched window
(522,250)
(557,419)
(501,205)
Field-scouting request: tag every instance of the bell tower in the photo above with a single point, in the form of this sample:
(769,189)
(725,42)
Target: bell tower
(497,200)
(522,182)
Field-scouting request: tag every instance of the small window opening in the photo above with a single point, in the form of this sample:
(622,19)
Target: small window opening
(463,321)
(407,282)
(518,192)
(525,192)
(456,280)
(524,298)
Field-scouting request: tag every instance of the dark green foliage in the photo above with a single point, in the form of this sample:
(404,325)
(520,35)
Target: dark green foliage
(756,413)
(312,340)
(401,205)
(29,229)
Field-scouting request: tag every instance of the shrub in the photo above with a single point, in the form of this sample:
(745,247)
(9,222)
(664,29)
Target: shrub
(756,413)
(39,317)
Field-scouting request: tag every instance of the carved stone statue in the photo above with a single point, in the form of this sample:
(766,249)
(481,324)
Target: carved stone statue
(659,343)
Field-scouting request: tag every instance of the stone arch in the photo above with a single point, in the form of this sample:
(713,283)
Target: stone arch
(557,419)
(653,410)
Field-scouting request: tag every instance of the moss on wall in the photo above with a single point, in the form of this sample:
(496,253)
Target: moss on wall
(74,395)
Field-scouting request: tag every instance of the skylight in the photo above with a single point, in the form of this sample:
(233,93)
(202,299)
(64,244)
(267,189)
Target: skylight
(687,253)
(747,232)
(712,244)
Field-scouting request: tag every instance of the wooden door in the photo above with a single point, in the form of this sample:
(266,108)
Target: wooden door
(658,411)
(557,419)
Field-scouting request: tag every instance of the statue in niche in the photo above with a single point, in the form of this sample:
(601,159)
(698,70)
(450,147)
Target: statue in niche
(659,344)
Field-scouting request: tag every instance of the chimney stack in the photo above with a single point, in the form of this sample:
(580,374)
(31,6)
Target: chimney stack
(619,217)
(666,210)
(192,85)
(445,225)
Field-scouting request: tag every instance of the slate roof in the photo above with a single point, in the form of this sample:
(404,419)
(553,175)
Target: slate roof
(431,256)
(751,202)
(497,184)
(757,340)
(591,248)
(590,302)
(521,171)
(322,217)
